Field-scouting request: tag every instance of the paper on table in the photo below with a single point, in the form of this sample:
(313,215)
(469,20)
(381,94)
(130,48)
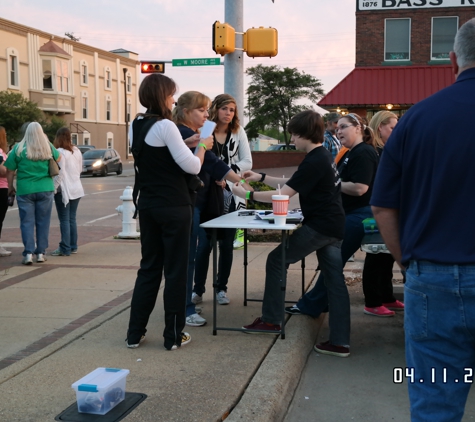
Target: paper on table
(207,129)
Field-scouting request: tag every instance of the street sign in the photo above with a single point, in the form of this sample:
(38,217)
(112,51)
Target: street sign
(196,62)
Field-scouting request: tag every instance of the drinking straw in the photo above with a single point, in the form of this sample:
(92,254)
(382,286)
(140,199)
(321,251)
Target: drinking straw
(279,188)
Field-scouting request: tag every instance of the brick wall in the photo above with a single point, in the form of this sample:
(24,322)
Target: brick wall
(275,159)
(370,32)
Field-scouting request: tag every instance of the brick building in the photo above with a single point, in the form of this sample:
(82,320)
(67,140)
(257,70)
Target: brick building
(92,90)
(402,54)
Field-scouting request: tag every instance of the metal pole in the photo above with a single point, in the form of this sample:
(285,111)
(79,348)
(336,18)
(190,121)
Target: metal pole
(234,62)
(125,115)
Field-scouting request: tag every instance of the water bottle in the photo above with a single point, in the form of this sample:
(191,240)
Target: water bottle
(11,199)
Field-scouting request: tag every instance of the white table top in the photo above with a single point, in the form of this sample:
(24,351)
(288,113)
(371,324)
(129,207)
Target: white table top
(234,221)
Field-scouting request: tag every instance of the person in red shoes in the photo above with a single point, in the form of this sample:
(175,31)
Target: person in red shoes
(318,184)
(378,268)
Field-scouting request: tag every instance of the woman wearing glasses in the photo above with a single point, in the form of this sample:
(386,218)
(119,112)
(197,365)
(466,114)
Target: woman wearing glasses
(357,170)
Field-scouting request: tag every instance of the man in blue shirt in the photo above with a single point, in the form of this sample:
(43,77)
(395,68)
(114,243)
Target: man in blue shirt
(424,204)
(331,142)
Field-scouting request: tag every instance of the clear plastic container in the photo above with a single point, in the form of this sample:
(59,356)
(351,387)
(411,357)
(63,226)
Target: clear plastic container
(101,390)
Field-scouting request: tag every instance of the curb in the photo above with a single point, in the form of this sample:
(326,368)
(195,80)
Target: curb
(270,392)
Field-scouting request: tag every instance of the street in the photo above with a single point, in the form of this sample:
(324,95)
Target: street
(97,207)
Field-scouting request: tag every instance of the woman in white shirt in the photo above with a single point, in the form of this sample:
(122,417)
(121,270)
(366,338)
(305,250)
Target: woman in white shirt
(68,192)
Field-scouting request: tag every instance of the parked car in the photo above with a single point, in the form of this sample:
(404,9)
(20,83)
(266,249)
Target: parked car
(101,161)
(85,148)
(281,147)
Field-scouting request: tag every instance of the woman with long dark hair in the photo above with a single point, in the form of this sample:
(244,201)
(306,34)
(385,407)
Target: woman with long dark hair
(164,204)
(69,191)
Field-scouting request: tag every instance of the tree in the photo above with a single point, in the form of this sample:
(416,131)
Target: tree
(51,126)
(272,96)
(15,110)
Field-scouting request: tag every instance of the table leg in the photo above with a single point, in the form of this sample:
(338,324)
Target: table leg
(215,276)
(284,282)
(245,267)
(302,265)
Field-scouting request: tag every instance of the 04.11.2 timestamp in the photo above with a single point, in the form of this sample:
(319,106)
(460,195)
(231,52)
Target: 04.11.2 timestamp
(435,375)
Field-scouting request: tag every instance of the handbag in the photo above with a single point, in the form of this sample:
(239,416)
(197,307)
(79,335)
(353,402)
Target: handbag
(53,167)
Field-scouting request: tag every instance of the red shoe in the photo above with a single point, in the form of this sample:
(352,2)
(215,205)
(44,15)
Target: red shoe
(265,327)
(330,349)
(395,306)
(380,311)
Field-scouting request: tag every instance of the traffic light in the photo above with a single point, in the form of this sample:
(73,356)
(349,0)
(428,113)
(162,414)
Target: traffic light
(152,67)
(260,42)
(224,38)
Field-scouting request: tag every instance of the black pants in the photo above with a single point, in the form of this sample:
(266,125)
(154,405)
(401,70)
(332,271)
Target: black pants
(164,236)
(3,206)
(378,279)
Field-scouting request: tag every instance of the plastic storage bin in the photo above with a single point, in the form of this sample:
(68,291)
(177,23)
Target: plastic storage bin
(101,390)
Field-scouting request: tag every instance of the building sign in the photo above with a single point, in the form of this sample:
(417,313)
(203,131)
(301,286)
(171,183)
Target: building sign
(410,4)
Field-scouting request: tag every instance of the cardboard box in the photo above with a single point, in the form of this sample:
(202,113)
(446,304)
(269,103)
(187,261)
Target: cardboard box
(101,390)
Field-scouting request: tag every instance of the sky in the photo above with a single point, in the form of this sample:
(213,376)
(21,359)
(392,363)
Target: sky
(314,36)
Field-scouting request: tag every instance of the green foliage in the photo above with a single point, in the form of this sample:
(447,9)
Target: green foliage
(272,96)
(15,110)
(254,205)
(51,126)
(274,132)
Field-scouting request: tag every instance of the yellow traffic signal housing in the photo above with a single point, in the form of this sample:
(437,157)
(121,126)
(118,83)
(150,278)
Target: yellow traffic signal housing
(224,38)
(260,42)
(152,67)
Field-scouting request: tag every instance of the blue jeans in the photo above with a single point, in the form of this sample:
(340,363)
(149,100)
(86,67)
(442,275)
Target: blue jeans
(35,212)
(301,243)
(67,223)
(225,263)
(439,323)
(315,301)
(190,306)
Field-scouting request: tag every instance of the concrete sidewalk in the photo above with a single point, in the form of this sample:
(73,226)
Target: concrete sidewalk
(62,319)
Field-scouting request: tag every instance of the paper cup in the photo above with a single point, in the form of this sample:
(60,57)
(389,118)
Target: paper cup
(280,206)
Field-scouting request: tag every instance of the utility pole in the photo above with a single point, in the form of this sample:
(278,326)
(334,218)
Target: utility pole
(125,115)
(234,62)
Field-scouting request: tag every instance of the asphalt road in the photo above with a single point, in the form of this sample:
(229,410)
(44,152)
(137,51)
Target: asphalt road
(97,207)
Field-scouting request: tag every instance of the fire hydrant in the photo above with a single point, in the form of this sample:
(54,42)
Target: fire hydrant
(127,209)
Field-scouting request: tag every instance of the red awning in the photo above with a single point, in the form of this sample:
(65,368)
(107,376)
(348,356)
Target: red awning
(376,86)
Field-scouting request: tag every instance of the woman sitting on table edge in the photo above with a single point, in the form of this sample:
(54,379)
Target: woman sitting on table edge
(318,184)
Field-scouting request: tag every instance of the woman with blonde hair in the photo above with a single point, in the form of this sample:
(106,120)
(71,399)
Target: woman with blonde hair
(378,268)
(190,114)
(35,188)
(232,147)
(69,191)
(3,184)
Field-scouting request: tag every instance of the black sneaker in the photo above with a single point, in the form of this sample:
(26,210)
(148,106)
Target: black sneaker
(293,310)
(135,345)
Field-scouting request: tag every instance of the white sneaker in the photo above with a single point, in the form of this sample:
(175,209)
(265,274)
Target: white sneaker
(41,257)
(222,298)
(195,320)
(4,252)
(28,259)
(195,298)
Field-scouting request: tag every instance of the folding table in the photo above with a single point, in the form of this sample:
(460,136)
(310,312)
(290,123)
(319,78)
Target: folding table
(235,221)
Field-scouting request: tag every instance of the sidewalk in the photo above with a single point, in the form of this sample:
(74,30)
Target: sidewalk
(62,319)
